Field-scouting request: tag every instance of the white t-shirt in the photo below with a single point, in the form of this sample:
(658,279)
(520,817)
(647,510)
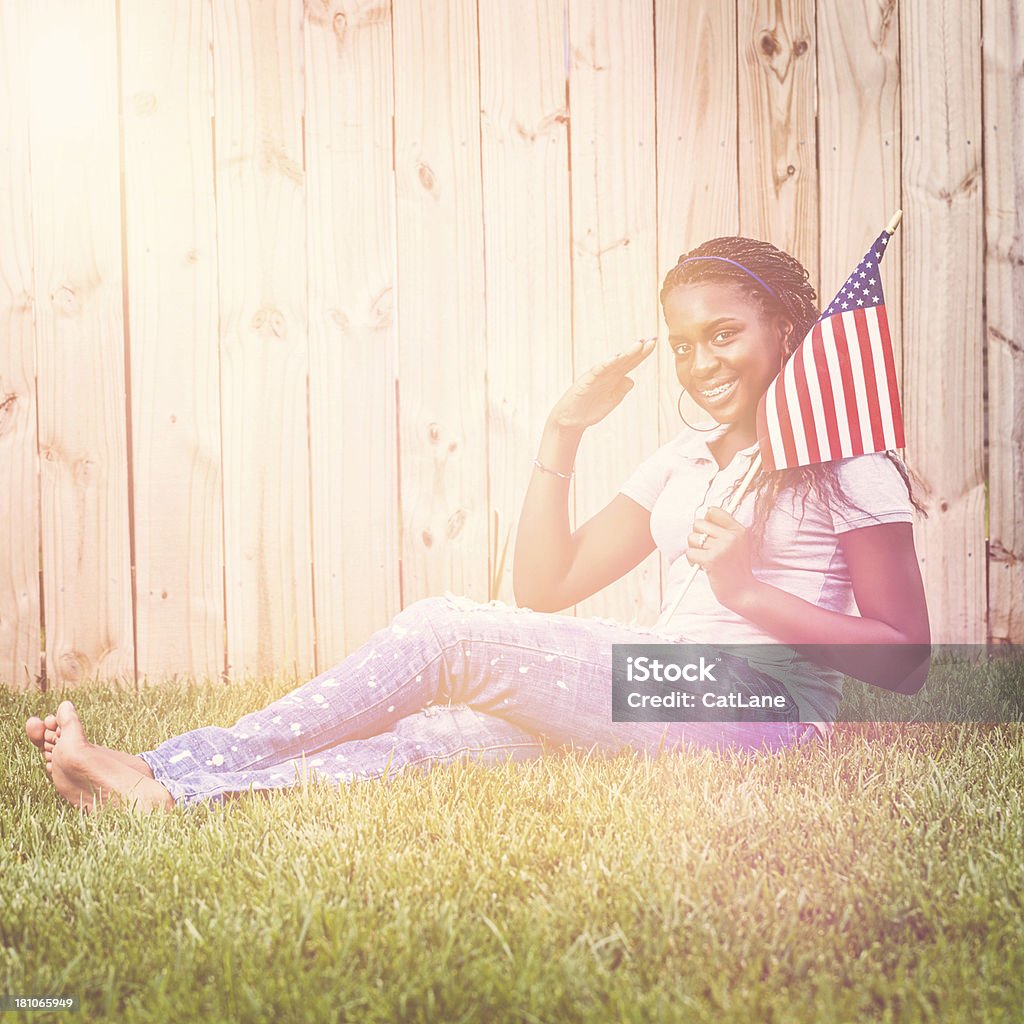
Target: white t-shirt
(801,553)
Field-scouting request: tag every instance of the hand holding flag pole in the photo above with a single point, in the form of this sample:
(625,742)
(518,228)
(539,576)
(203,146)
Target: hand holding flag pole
(836,396)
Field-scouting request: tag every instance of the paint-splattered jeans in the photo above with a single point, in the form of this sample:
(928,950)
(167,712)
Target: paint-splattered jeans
(449,677)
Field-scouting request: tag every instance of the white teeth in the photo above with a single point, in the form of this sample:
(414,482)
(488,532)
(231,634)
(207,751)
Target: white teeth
(720,390)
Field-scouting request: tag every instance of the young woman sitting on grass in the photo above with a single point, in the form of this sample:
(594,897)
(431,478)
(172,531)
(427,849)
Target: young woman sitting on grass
(820,555)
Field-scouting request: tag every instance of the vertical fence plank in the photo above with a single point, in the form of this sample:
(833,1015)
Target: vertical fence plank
(614,218)
(1004,291)
(777,152)
(19,458)
(350,226)
(261,220)
(859,148)
(943,280)
(171,281)
(859,145)
(76,213)
(697,183)
(441,313)
(526,217)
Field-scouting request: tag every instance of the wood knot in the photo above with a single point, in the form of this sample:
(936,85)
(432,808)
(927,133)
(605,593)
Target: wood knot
(999,552)
(801,47)
(791,170)
(456,521)
(144,103)
(7,412)
(428,538)
(275,158)
(769,45)
(192,256)
(66,301)
(520,129)
(340,26)
(340,319)
(316,16)
(427,177)
(943,506)
(434,433)
(73,665)
(270,320)
(382,310)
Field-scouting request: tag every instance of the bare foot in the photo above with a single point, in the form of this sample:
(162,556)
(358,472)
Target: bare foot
(44,733)
(90,776)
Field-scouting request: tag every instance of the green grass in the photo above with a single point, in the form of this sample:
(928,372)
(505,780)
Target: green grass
(879,879)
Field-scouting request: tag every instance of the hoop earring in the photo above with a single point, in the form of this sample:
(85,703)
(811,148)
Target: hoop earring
(679,409)
(783,356)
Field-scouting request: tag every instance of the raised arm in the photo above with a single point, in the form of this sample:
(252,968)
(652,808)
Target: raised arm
(552,567)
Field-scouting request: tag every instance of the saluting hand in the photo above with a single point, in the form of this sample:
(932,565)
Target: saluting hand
(600,389)
(720,545)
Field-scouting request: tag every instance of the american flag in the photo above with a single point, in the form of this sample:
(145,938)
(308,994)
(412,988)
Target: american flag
(837,396)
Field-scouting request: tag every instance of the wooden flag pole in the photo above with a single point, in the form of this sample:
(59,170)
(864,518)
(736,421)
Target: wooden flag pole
(895,222)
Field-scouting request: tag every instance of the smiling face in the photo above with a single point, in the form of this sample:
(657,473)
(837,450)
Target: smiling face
(725,353)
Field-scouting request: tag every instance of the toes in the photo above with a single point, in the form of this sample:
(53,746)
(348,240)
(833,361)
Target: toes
(69,722)
(34,729)
(50,737)
(51,721)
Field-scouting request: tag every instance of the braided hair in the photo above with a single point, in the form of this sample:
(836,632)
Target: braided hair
(797,302)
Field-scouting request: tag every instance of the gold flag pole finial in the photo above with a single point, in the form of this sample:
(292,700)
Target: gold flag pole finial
(894,222)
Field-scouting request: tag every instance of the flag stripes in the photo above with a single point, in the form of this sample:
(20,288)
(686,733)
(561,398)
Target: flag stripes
(837,396)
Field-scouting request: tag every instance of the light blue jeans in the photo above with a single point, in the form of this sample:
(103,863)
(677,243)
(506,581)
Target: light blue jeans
(449,677)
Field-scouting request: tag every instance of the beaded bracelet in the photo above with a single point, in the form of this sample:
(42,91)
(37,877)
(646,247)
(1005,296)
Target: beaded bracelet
(554,472)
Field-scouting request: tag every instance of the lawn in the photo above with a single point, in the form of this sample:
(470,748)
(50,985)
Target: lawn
(878,878)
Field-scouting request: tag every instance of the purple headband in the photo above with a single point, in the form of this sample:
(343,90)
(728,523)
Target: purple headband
(725,259)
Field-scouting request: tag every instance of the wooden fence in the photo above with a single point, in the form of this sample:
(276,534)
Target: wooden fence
(288,290)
